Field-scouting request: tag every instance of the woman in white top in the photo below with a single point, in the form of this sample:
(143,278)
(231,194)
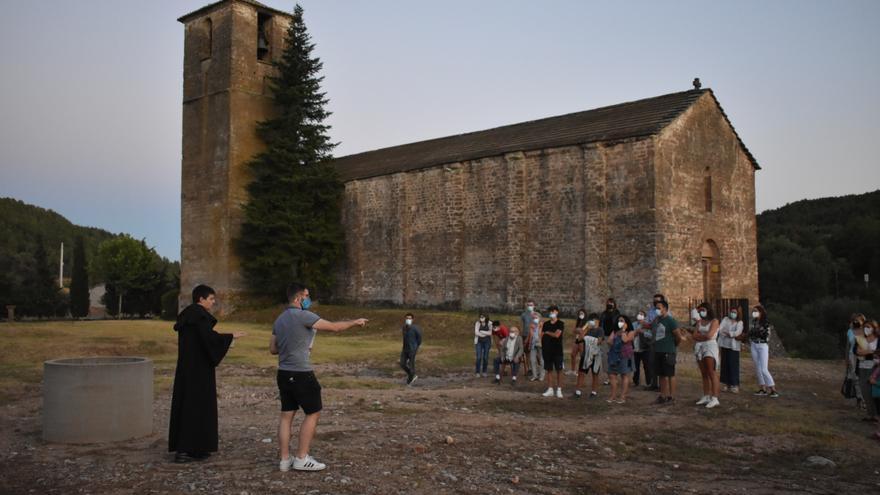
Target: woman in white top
(728,341)
(706,352)
(866,346)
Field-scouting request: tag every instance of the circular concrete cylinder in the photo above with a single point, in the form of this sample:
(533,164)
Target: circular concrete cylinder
(97,399)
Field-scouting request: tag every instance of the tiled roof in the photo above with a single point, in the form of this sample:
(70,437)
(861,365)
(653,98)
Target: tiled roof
(626,120)
(211,6)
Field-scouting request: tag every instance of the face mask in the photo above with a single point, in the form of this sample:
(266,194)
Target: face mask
(482,320)
(553,315)
(306,303)
(755,314)
(869,332)
(409,321)
(703,314)
(640,317)
(732,316)
(513,335)
(695,315)
(536,320)
(530,308)
(621,324)
(581,315)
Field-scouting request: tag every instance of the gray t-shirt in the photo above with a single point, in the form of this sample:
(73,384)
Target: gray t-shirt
(293,335)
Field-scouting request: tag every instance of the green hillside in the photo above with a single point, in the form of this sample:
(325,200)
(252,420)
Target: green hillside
(21,226)
(812,258)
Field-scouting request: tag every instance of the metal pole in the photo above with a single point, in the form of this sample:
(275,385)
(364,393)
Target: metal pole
(61,268)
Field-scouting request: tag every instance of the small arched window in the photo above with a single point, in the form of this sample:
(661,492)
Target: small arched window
(207,38)
(707,184)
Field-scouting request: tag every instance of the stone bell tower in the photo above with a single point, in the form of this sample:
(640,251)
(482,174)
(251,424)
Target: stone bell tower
(229,47)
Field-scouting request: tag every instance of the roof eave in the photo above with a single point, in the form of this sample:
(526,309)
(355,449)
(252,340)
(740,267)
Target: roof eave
(211,6)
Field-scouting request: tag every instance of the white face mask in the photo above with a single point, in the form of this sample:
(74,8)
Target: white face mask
(869,332)
(552,315)
(409,321)
(755,314)
(581,315)
(703,314)
(732,316)
(482,320)
(621,324)
(536,320)
(530,307)
(640,317)
(513,335)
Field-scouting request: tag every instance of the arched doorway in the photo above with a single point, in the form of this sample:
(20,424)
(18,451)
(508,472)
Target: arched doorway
(711,258)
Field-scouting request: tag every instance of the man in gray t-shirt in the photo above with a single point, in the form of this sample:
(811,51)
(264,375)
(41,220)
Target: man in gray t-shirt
(292,337)
(294,333)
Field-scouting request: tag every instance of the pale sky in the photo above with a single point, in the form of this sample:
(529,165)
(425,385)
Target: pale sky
(90,93)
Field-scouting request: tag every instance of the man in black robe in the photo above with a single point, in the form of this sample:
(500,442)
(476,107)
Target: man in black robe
(193,430)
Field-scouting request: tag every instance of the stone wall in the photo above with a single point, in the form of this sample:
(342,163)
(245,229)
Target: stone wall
(567,226)
(699,144)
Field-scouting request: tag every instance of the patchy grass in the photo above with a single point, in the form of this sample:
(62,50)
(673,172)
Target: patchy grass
(448,338)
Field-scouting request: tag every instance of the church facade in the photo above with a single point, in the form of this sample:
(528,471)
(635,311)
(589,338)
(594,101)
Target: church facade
(654,195)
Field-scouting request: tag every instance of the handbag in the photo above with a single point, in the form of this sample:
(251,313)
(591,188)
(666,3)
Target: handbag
(848,389)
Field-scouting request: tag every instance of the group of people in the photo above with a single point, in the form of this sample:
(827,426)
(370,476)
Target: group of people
(609,344)
(627,351)
(863,367)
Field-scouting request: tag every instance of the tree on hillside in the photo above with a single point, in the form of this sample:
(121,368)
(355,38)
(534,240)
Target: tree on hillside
(127,266)
(292,223)
(79,281)
(43,294)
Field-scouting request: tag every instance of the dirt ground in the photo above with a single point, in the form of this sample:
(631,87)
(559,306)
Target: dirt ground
(378,436)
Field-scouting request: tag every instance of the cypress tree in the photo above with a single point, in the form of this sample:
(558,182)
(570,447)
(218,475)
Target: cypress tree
(43,284)
(291,228)
(79,281)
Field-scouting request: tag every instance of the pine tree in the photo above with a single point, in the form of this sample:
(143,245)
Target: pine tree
(292,228)
(79,281)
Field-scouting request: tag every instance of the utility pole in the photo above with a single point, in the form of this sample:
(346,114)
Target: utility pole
(61,268)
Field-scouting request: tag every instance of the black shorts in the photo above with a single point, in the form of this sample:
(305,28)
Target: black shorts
(553,361)
(664,363)
(299,389)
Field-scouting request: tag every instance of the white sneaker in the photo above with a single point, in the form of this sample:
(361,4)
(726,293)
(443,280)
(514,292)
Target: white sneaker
(713,402)
(548,393)
(704,400)
(307,464)
(285,464)
(559,393)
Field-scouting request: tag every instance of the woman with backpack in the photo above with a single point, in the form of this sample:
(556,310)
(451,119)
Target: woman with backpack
(620,358)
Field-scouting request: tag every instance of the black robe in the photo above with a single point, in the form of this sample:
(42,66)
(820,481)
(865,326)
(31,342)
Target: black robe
(200,349)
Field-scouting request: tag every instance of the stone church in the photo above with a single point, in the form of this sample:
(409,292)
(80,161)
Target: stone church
(654,195)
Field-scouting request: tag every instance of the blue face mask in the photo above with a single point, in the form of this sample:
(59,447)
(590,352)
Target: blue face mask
(306,303)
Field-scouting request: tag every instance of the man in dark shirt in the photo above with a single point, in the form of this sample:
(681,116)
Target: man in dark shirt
(412,339)
(665,329)
(551,343)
